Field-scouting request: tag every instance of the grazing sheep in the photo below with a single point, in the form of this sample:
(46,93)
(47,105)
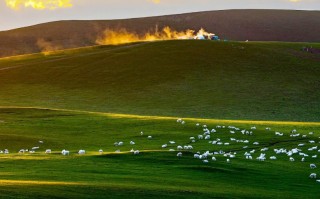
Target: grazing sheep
(262,157)
(41,142)
(65,152)
(313,175)
(179,154)
(137,152)
(273,158)
(172,142)
(149,137)
(228,160)
(291,159)
(200,137)
(6,151)
(22,151)
(82,152)
(313,166)
(132,143)
(164,146)
(35,148)
(48,151)
(314,156)
(179,148)
(100,151)
(205,161)
(214,159)
(141,133)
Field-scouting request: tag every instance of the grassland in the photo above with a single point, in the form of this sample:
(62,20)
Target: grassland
(202,79)
(155,173)
(92,97)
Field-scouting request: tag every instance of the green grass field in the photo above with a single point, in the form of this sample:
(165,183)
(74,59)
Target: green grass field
(91,98)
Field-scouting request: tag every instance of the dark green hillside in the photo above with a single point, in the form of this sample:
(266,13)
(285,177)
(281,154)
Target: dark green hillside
(252,81)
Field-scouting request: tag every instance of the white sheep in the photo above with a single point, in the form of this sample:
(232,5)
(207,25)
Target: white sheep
(100,151)
(179,147)
(313,175)
(291,159)
(48,151)
(137,152)
(273,158)
(164,146)
(82,152)
(22,151)
(132,143)
(149,137)
(313,166)
(65,152)
(179,154)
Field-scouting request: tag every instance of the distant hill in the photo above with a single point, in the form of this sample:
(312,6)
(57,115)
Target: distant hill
(253,25)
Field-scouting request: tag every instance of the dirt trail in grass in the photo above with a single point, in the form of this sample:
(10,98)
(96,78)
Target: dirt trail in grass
(72,57)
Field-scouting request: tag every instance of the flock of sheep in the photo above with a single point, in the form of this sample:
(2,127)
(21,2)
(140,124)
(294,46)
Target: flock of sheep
(252,148)
(292,154)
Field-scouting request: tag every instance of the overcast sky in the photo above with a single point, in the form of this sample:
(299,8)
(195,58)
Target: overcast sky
(18,13)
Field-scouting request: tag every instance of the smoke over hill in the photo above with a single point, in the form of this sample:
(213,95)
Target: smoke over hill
(253,25)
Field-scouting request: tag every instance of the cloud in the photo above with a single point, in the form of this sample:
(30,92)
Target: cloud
(38,4)
(155,1)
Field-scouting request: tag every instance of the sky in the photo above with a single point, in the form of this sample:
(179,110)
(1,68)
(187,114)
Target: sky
(20,13)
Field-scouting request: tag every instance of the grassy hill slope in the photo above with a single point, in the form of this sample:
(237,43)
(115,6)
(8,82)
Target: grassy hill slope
(253,25)
(252,81)
(155,172)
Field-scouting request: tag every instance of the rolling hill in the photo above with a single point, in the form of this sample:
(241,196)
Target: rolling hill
(202,79)
(253,25)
